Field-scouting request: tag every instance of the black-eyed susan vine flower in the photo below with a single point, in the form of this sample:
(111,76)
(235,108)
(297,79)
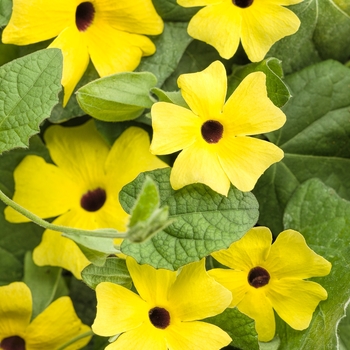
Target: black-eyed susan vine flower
(265,277)
(213,134)
(81,189)
(111,33)
(165,314)
(258,24)
(57,325)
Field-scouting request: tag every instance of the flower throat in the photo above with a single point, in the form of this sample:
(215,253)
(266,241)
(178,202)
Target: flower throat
(93,200)
(242,3)
(13,343)
(84,16)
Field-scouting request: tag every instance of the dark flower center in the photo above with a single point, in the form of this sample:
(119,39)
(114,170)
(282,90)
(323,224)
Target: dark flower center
(258,277)
(242,3)
(84,15)
(212,131)
(93,200)
(13,343)
(159,317)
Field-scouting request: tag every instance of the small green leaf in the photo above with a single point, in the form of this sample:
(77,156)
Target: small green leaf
(323,218)
(5,12)
(29,88)
(169,10)
(239,327)
(205,221)
(114,270)
(171,97)
(277,91)
(117,97)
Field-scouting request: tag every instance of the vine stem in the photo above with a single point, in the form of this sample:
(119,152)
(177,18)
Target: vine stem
(70,230)
(72,341)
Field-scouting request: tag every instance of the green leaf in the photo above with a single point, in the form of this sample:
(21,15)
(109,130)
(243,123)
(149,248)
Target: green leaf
(277,91)
(171,97)
(5,12)
(43,283)
(323,218)
(315,139)
(205,221)
(10,267)
(117,97)
(323,34)
(344,330)
(29,88)
(239,327)
(170,48)
(169,10)
(114,270)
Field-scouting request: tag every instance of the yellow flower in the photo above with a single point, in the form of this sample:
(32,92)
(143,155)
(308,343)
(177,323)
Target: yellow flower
(164,315)
(258,24)
(213,134)
(266,277)
(108,31)
(82,189)
(55,326)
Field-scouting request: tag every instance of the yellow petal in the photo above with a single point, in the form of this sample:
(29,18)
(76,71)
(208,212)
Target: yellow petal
(138,16)
(295,300)
(114,51)
(38,20)
(258,307)
(263,24)
(249,111)
(42,188)
(56,250)
(202,297)
(290,257)
(205,91)
(199,163)
(196,335)
(143,337)
(245,159)
(235,281)
(55,326)
(190,3)
(174,128)
(250,251)
(80,152)
(118,310)
(151,284)
(75,58)
(15,309)
(218,25)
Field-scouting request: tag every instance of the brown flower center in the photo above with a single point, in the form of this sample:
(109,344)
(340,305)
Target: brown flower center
(212,131)
(258,277)
(242,3)
(93,200)
(159,317)
(84,15)
(13,343)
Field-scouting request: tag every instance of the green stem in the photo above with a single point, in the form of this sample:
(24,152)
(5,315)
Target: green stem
(39,221)
(78,337)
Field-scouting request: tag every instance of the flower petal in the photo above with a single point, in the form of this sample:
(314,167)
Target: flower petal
(114,51)
(250,251)
(290,257)
(80,152)
(37,20)
(199,163)
(42,188)
(295,300)
(75,58)
(118,310)
(205,91)
(143,337)
(190,3)
(245,159)
(55,326)
(263,24)
(15,309)
(258,307)
(138,16)
(218,25)
(151,284)
(249,111)
(201,297)
(196,335)
(174,128)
